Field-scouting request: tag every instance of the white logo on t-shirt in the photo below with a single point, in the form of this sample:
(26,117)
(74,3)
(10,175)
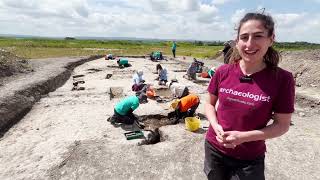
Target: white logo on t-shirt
(249,95)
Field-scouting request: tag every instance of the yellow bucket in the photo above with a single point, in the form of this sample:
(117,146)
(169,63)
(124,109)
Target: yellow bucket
(192,123)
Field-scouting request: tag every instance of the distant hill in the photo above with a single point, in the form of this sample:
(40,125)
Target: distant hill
(218,42)
(100,38)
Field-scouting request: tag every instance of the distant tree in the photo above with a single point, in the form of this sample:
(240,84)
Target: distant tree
(198,43)
(69,38)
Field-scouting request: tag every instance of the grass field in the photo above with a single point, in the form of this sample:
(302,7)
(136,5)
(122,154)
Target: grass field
(43,48)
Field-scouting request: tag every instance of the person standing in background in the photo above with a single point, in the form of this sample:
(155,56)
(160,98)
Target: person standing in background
(173,48)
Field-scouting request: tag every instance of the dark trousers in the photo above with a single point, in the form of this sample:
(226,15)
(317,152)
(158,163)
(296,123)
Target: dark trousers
(174,53)
(125,119)
(137,87)
(161,81)
(218,166)
(124,65)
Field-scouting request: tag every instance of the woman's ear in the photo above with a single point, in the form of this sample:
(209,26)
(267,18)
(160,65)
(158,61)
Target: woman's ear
(272,38)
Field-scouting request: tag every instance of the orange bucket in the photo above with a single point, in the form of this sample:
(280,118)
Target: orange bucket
(204,75)
(151,93)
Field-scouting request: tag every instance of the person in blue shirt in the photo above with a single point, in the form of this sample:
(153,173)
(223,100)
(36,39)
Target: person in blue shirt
(162,75)
(173,48)
(123,110)
(192,71)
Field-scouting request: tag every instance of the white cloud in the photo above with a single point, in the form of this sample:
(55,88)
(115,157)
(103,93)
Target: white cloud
(288,20)
(219,2)
(47,8)
(298,27)
(174,5)
(207,13)
(235,18)
(167,19)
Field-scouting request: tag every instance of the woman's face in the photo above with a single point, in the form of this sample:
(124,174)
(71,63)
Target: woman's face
(253,41)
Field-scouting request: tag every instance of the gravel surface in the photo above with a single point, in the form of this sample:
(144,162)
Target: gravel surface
(66,135)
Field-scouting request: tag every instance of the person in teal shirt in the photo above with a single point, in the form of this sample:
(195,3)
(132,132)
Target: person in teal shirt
(123,110)
(123,62)
(173,48)
(211,72)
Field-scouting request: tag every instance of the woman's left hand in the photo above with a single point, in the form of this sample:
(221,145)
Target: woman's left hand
(231,139)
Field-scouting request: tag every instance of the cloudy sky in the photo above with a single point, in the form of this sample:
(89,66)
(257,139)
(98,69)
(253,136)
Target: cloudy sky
(296,20)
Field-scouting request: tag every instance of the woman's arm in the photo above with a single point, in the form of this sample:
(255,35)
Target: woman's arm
(279,127)
(212,115)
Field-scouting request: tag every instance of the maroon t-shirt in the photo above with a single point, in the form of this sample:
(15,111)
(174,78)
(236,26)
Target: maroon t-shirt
(245,106)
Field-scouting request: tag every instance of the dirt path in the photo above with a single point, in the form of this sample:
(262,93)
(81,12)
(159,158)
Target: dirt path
(66,135)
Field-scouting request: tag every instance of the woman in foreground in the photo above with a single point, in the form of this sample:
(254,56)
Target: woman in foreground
(250,89)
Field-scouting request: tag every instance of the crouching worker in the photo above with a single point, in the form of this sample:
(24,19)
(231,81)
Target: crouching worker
(123,110)
(192,71)
(211,72)
(162,75)
(109,57)
(186,106)
(138,81)
(123,63)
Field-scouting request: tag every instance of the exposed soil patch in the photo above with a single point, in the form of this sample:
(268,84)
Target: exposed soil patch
(103,152)
(123,72)
(305,66)
(114,66)
(11,64)
(78,83)
(120,74)
(108,76)
(201,82)
(163,93)
(152,122)
(180,70)
(116,92)
(308,103)
(74,153)
(93,70)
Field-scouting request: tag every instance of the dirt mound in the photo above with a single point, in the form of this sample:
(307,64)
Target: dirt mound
(11,64)
(304,65)
(218,56)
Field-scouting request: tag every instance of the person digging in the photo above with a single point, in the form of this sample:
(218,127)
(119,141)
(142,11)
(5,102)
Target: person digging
(191,71)
(138,81)
(123,110)
(162,75)
(185,107)
(122,63)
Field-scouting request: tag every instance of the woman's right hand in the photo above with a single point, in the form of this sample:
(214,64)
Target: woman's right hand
(218,130)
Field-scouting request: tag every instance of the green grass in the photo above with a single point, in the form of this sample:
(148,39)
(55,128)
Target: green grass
(44,48)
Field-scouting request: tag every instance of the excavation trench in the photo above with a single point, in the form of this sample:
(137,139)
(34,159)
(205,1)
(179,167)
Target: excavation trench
(163,92)
(16,104)
(202,82)
(152,123)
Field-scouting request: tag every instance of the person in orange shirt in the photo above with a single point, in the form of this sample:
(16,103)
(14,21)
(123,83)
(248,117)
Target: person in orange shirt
(185,106)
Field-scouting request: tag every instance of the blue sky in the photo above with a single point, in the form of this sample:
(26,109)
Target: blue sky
(296,20)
